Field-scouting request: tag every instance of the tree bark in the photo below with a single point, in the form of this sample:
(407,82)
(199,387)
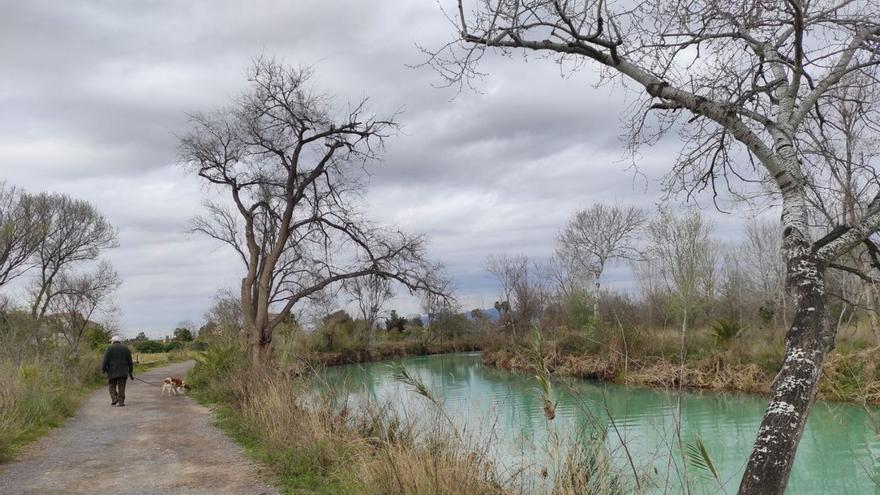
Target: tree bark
(793,391)
(261,349)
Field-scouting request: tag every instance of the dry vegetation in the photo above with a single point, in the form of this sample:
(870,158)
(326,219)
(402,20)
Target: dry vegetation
(316,447)
(36,396)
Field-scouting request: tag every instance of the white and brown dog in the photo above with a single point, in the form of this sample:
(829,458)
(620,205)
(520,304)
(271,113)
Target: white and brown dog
(173,386)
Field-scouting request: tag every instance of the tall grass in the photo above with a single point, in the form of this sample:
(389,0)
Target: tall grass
(317,447)
(38,392)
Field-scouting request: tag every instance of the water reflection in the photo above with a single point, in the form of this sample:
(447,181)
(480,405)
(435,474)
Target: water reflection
(839,453)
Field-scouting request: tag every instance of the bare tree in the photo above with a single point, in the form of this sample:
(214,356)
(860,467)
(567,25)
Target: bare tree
(683,250)
(736,287)
(763,255)
(843,150)
(651,285)
(225,314)
(290,164)
(740,82)
(530,296)
(73,231)
(20,234)
(433,304)
(509,271)
(79,298)
(370,293)
(599,235)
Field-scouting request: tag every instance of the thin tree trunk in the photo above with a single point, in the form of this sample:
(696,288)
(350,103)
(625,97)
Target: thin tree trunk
(871,303)
(793,391)
(681,384)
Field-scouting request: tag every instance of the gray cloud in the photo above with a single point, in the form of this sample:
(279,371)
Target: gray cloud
(94,93)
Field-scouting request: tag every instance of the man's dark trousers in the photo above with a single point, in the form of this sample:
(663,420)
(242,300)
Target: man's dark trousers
(117,390)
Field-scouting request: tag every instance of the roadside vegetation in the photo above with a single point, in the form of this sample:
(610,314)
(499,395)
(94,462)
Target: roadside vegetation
(41,382)
(316,447)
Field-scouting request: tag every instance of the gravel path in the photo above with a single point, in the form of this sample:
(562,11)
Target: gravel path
(154,445)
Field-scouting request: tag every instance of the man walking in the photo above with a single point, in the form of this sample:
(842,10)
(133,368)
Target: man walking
(118,366)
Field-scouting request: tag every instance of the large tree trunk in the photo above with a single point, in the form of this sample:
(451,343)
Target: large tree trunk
(259,340)
(261,351)
(793,391)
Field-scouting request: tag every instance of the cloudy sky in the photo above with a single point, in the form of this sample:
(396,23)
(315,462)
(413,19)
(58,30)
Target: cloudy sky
(92,95)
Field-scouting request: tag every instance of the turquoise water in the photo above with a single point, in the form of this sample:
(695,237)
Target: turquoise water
(839,453)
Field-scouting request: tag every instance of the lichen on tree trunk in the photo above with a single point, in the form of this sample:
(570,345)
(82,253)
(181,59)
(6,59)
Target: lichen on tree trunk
(793,391)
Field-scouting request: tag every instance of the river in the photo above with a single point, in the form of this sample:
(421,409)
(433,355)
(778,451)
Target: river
(839,452)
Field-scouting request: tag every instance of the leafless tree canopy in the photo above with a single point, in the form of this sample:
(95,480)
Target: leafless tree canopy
(598,235)
(738,66)
(370,293)
(290,163)
(684,251)
(79,297)
(20,234)
(524,289)
(73,231)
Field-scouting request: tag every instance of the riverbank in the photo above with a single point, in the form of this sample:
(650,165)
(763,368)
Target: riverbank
(387,350)
(850,374)
(313,446)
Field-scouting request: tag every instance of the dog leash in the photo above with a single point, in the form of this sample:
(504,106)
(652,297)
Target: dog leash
(148,383)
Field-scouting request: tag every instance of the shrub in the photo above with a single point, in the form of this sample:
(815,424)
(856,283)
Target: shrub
(149,346)
(726,330)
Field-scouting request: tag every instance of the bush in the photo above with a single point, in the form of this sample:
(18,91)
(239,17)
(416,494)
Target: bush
(726,330)
(149,346)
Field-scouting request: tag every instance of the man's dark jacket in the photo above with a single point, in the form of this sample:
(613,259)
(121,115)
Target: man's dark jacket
(117,362)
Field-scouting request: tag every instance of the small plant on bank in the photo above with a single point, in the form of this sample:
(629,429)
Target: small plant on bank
(698,457)
(726,330)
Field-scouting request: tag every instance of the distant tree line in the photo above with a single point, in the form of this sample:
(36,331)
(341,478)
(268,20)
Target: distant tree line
(683,276)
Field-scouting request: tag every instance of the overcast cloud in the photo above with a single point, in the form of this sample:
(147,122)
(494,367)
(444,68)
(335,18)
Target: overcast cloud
(93,93)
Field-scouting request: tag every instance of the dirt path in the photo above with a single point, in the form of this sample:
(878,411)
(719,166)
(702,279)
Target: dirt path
(154,445)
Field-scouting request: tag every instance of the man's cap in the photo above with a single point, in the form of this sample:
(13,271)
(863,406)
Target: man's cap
(115,338)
